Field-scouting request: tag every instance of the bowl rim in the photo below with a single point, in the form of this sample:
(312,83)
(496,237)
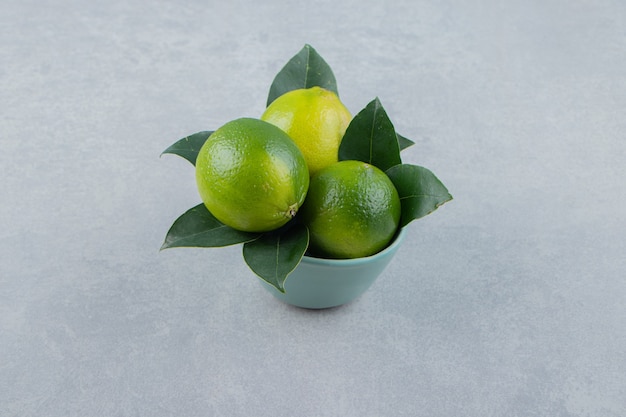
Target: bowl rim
(397,239)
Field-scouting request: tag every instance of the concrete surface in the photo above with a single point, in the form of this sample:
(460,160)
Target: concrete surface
(509,301)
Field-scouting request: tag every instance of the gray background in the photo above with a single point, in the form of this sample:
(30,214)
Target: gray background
(508,301)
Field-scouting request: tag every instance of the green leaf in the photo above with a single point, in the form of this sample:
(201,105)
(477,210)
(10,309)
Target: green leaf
(371,137)
(404,142)
(197,227)
(421,192)
(274,255)
(189,146)
(304,70)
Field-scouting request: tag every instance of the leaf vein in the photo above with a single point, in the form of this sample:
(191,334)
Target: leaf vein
(307,67)
(422,195)
(203,232)
(277,258)
(371,156)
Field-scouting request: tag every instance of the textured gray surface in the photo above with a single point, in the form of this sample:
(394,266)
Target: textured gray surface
(509,301)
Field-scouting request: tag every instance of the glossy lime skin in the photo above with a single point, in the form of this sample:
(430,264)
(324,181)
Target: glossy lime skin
(352,210)
(251,176)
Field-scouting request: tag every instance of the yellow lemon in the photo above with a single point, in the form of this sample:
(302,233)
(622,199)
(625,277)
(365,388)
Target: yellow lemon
(315,119)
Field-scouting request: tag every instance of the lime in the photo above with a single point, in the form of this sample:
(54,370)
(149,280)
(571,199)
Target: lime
(352,210)
(251,176)
(315,119)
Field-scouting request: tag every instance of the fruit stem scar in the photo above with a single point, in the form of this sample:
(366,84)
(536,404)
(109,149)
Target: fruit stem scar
(291,211)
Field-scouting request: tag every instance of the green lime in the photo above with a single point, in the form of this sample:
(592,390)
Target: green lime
(251,176)
(352,210)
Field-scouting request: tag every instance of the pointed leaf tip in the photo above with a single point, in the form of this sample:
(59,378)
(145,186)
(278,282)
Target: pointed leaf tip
(189,146)
(197,227)
(306,69)
(371,137)
(276,254)
(420,191)
(404,142)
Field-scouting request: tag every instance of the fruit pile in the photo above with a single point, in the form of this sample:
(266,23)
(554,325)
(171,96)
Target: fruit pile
(304,178)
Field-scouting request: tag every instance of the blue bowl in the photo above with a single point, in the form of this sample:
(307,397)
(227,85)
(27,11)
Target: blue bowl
(318,283)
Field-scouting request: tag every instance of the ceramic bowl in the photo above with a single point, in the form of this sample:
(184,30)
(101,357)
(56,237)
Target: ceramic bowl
(318,283)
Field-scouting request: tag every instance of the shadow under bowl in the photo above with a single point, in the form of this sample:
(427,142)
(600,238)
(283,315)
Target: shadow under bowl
(319,283)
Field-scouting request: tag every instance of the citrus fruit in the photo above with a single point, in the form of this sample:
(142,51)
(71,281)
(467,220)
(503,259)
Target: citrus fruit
(251,176)
(352,210)
(315,119)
